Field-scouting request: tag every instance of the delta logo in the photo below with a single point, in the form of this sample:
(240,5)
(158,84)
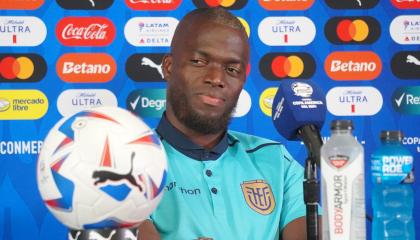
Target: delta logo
(406,4)
(86,67)
(353,66)
(277,66)
(85,4)
(286,31)
(352,4)
(406,65)
(21,31)
(160,5)
(405,29)
(285,5)
(22,68)
(85,31)
(228,4)
(150,31)
(266,100)
(406,100)
(25,104)
(145,67)
(354,101)
(147,102)
(352,30)
(21,4)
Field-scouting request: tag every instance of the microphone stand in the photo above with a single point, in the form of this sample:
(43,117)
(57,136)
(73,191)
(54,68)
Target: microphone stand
(311,137)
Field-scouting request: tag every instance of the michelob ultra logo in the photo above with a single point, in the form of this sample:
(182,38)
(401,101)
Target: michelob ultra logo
(228,4)
(277,66)
(85,4)
(22,67)
(352,30)
(354,101)
(22,104)
(150,31)
(406,100)
(354,66)
(352,4)
(22,31)
(405,29)
(286,4)
(160,5)
(21,4)
(86,67)
(406,65)
(406,4)
(147,102)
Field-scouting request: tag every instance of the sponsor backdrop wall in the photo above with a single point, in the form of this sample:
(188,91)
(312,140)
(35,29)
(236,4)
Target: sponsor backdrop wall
(58,57)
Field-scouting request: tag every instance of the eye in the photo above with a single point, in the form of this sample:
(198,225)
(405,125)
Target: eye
(198,62)
(233,70)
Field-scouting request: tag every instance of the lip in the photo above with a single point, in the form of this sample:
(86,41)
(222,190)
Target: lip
(212,100)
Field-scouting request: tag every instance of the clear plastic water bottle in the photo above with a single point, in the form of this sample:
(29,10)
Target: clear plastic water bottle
(343,192)
(392,196)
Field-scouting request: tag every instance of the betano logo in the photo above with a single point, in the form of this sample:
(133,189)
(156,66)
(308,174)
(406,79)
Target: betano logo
(354,101)
(406,4)
(22,31)
(406,65)
(159,5)
(286,5)
(277,66)
(266,100)
(150,31)
(22,104)
(21,4)
(147,102)
(406,100)
(353,66)
(352,4)
(352,30)
(22,67)
(85,4)
(405,29)
(86,67)
(228,4)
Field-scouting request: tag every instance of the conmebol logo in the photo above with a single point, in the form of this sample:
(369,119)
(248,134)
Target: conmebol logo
(22,31)
(405,29)
(406,100)
(21,4)
(354,101)
(160,5)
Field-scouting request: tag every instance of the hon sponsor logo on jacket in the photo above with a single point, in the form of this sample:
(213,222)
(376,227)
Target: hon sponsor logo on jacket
(286,31)
(145,67)
(228,4)
(147,102)
(352,30)
(405,29)
(406,65)
(353,66)
(160,5)
(354,101)
(286,4)
(85,31)
(21,4)
(277,66)
(21,31)
(406,100)
(86,67)
(74,100)
(22,67)
(352,4)
(85,4)
(150,31)
(22,104)
(406,4)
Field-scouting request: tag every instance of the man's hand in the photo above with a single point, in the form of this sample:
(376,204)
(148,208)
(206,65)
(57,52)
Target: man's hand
(147,231)
(296,229)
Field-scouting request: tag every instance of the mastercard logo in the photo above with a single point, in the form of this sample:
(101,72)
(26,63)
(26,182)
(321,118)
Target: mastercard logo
(22,68)
(286,5)
(228,4)
(21,4)
(352,30)
(277,66)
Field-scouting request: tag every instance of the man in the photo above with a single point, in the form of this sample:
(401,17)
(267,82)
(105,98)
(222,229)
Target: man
(221,184)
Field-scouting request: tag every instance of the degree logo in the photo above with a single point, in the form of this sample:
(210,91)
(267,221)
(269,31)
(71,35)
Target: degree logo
(85,4)
(352,30)
(286,4)
(22,68)
(164,5)
(406,4)
(266,100)
(354,101)
(356,66)
(228,4)
(21,4)
(277,66)
(145,67)
(22,31)
(406,65)
(22,104)
(407,100)
(405,29)
(352,4)
(147,102)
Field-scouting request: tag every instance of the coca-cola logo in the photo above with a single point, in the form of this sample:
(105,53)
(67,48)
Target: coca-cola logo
(85,31)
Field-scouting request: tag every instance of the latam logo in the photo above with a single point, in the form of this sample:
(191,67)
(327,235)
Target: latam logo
(85,4)
(354,101)
(352,4)
(74,100)
(22,104)
(22,31)
(277,66)
(285,5)
(353,66)
(406,100)
(286,31)
(161,5)
(150,31)
(147,102)
(85,31)
(406,4)
(243,105)
(406,65)
(145,67)
(266,100)
(228,4)
(22,67)
(405,29)
(86,67)
(21,4)
(352,30)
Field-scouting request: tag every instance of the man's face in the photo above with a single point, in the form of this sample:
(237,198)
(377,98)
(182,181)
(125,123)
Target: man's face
(205,73)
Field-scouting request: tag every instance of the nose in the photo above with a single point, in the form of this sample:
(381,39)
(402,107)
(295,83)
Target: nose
(215,76)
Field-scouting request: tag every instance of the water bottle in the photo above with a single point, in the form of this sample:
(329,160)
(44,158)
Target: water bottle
(392,196)
(343,192)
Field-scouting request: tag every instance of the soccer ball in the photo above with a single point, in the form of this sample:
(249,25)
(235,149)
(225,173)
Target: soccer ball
(102,168)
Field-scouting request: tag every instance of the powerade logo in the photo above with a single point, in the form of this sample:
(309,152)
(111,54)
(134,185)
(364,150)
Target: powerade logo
(22,104)
(352,30)
(145,67)
(277,66)
(85,4)
(228,4)
(147,102)
(352,4)
(406,100)
(406,65)
(22,68)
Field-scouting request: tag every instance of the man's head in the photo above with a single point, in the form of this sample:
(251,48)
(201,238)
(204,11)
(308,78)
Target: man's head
(206,69)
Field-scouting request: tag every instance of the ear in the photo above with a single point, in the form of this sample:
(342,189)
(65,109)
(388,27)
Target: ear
(167,66)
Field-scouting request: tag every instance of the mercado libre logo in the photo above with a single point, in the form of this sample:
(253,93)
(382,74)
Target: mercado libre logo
(277,66)
(406,100)
(21,4)
(150,31)
(147,102)
(277,5)
(145,67)
(352,30)
(352,4)
(22,104)
(22,68)
(21,31)
(164,5)
(406,65)
(266,100)
(228,4)
(85,4)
